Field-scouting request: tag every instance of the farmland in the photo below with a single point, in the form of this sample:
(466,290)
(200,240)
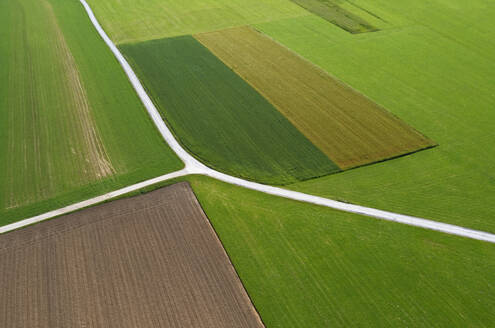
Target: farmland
(431,65)
(139,20)
(336,13)
(66,133)
(219,117)
(248,101)
(152,260)
(310,266)
(434,69)
(349,128)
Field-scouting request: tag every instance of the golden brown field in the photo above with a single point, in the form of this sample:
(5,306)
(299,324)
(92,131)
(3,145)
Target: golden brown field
(349,128)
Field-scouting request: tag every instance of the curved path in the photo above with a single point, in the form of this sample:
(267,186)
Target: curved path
(193,166)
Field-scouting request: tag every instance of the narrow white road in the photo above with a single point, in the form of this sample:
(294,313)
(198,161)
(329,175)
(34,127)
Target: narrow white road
(192,166)
(90,202)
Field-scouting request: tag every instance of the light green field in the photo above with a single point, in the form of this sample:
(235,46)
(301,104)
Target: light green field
(310,266)
(302,265)
(139,20)
(434,69)
(71,126)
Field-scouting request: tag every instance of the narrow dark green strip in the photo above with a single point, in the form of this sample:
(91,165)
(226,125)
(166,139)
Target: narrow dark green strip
(332,12)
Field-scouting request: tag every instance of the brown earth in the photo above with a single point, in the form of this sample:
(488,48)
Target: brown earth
(349,128)
(149,261)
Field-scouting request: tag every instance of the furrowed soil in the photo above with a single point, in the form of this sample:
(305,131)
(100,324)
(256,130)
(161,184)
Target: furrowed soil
(348,127)
(71,126)
(219,117)
(149,261)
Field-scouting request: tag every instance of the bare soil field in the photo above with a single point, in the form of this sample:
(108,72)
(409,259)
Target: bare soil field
(349,128)
(148,261)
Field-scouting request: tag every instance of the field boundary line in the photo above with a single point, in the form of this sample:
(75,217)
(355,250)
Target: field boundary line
(193,166)
(92,201)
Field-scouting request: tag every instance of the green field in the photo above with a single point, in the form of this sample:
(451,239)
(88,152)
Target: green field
(219,118)
(434,69)
(139,20)
(335,11)
(309,266)
(71,126)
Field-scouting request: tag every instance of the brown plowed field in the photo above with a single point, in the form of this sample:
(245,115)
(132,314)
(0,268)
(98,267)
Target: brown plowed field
(349,128)
(148,261)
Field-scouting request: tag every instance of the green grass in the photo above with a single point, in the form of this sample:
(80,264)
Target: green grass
(346,126)
(310,266)
(220,118)
(71,126)
(139,20)
(433,68)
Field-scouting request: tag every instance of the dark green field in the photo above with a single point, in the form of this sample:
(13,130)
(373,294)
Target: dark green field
(219,118)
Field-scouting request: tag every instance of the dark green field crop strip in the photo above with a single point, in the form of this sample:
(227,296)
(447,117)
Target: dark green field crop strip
(219,118)
(332,12)
(54,62)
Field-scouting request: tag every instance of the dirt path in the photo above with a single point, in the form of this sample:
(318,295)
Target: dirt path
(192,166)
